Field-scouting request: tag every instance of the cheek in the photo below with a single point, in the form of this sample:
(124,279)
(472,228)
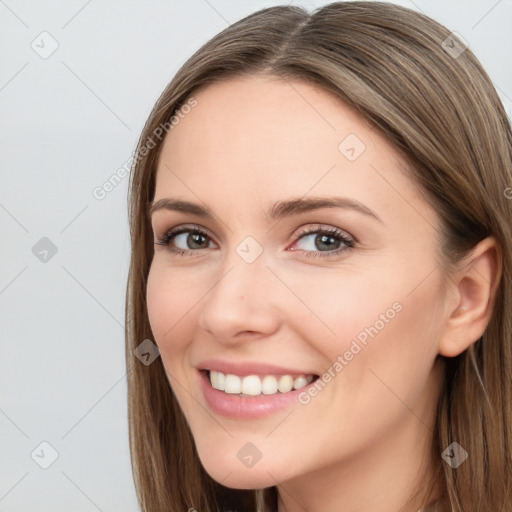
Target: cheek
(377,322)
(343,305)
(392,349)
(169,303)
(380,302)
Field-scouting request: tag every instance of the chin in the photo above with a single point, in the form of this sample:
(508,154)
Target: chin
(244,479)
(235,475)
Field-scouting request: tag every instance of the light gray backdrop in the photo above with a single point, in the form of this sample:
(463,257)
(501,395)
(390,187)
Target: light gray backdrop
(77,81)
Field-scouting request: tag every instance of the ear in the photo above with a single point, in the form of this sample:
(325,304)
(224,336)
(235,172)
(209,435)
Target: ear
(473,287)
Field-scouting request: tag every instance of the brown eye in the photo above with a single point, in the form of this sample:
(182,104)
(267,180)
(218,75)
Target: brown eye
(185,240)
(330,242)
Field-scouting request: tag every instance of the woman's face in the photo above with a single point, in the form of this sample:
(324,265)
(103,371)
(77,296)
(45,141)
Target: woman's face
(281,289)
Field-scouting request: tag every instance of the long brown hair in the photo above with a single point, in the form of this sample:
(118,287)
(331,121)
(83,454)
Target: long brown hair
(439,109)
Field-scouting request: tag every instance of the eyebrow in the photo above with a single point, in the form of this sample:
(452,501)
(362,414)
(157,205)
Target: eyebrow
(279,210)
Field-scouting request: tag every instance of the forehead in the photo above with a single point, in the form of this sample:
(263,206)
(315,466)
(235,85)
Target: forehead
(264,138)
(273,111)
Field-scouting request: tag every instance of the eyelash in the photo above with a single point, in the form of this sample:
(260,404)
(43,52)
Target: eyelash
(332,232)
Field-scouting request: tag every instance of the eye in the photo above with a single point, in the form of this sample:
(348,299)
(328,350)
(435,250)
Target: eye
(319,242)
(190,239)
(324,242)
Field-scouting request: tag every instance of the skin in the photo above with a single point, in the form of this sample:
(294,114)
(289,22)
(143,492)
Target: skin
(363,441)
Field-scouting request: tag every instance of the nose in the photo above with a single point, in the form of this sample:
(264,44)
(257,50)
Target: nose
(242,303)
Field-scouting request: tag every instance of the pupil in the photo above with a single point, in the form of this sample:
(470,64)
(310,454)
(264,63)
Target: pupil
(195,238)
(323,239)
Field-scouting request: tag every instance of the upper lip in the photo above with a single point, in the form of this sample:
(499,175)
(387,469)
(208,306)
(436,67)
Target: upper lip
(244,368)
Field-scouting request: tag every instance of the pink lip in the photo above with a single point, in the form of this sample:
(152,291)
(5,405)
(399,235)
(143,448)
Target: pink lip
(243,369)
(242,407)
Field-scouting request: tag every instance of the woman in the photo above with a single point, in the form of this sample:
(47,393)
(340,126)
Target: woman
(321,230)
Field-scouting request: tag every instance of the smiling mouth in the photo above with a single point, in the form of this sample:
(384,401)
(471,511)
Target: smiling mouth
(256,385)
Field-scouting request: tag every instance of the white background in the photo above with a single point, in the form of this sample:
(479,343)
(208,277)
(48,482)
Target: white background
(68,123)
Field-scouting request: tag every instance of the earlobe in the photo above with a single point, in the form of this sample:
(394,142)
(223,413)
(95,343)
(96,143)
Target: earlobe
(475,286)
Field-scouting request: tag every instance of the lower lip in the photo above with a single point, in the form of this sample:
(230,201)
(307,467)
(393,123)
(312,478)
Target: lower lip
(236,406)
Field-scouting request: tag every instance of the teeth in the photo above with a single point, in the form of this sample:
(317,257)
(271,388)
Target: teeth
(233,384)
(218,380)
(269,385)
(253,385)
(221,381)
(285,384)
(300,382)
